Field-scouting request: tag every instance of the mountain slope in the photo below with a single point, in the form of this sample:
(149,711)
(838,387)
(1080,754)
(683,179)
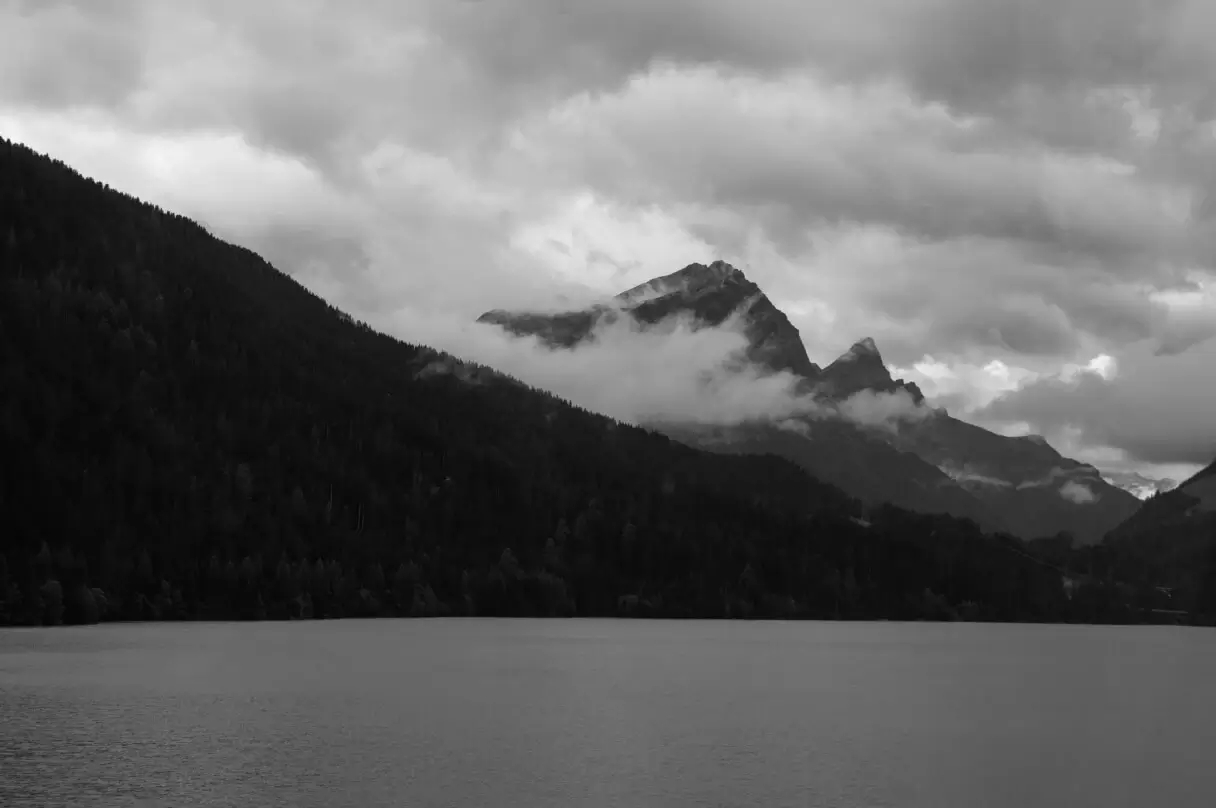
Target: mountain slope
(930,463)
(1193,503)
(1035,490)
(859,369)
(1138,485)
(860,463)
(1172,539)
(1025,485)
(863,465)
(186,432)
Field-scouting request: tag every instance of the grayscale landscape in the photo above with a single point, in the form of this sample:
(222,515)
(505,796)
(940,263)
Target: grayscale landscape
(543,402)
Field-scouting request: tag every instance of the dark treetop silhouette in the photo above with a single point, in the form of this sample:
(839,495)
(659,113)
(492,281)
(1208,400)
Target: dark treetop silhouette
(187,433)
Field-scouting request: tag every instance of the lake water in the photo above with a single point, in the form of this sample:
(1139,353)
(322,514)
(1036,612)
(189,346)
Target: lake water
(607,713)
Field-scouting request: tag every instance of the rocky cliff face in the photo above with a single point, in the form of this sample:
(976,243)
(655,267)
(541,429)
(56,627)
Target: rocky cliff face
(862,368)
(707,293)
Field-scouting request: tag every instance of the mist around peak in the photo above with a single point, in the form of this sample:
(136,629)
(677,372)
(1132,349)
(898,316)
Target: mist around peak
(686,366)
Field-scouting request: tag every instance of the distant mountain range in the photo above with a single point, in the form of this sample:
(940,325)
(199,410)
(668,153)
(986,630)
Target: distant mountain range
(1173,538)
(1138,485)
(1190,506)
(919,458)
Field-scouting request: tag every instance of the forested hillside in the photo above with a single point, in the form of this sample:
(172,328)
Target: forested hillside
(187,433)
(1172,538)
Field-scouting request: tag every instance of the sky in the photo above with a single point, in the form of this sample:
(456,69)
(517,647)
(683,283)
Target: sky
(1015,198)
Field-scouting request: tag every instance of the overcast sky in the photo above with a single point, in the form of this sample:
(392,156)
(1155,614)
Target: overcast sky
(1015,198)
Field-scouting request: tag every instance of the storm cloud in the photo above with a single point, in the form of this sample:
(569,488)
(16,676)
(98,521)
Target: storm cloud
(1156,408)
(996,192)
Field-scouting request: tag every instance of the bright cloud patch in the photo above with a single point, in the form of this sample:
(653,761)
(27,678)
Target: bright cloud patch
(1024,223)
(883,410)
(1078,493)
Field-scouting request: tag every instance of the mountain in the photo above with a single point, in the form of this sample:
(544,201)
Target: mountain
(186,432)
(1172,539)
(1034,490)
(708,294)
(1187,506)
(1138,485)
(860,369)
(927,461)
(864,465)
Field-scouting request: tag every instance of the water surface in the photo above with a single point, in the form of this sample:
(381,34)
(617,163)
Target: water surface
(607,713)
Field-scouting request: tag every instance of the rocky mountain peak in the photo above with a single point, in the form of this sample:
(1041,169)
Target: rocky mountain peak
(1006,483)
(691,281)
(862,349)
(860,368)
(708,293)
(711,294)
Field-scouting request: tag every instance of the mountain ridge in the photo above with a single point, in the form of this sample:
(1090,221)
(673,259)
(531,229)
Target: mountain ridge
(1172,537)
(861,368)
(944,464)
(709,292)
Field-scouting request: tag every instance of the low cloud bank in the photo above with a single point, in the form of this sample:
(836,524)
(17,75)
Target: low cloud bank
(1078,493)
(676,371)
(882,410)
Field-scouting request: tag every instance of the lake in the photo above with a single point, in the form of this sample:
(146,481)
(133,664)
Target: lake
(472,712)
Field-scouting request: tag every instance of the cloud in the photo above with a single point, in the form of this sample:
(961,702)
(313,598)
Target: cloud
(1155,408)
(794,425)
(1139,485)
(217,177)
(1078,493)
(1194,317)
(995,191)
(974,54)
(1055,474)
(882,410)
(961,387)
(98,56)
(672,371)
(965,476)
(804,151)
(406,224)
